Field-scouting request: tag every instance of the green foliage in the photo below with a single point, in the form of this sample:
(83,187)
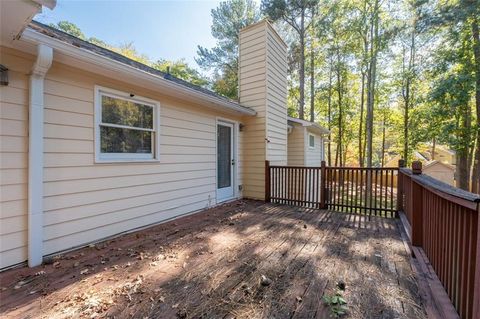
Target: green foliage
(336,303)
(228,18)
(69,28)
(288,10)
(179,68)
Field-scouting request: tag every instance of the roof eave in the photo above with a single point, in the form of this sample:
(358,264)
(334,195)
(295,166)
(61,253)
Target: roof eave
(309,125)
(35,37)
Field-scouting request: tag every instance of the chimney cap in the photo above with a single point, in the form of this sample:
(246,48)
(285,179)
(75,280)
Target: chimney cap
(269,26)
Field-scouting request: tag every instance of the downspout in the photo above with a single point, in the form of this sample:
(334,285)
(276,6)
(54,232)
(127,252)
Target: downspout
(35,155)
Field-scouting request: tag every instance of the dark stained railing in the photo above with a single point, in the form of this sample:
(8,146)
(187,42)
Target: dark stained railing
(442,221)
(366,191)
(444,225)
(295,185)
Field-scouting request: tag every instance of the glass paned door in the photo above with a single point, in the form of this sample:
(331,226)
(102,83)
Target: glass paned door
(225,161)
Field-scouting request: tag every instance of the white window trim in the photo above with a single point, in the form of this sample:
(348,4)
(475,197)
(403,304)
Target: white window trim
(309,146)
(125,157)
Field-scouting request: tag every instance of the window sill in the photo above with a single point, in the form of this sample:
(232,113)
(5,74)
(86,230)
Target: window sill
(126,161)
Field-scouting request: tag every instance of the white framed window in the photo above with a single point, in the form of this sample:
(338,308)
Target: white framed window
(311,141)
(126,127)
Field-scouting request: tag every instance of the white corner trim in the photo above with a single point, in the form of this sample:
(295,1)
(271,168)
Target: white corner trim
(35,155)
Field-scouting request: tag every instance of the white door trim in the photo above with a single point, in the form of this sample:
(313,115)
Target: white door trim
(235,132)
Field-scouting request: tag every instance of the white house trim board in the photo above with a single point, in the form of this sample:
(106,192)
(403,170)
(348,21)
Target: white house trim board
(235,133)
(35,155)
(82,58)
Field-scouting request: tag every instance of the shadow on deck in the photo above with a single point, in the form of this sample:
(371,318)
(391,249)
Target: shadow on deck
(210,265)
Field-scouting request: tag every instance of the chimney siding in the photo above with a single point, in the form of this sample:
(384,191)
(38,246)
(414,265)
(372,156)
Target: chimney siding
(263,87)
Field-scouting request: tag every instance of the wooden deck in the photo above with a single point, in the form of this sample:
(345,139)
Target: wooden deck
(210,265)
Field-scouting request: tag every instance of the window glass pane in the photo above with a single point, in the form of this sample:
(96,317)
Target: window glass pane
(224,156)
(312,140)
(120,140)
(123,112)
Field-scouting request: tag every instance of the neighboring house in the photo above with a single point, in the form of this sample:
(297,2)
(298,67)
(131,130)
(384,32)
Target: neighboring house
(444,155)
(441,171)
(393,162)
(305,143)
(94,144)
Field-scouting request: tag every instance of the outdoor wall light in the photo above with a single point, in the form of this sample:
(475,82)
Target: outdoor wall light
(241,127)
(3,75)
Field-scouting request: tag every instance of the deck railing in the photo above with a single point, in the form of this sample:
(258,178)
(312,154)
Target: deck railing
(444,225)
(366,191)
(442,221)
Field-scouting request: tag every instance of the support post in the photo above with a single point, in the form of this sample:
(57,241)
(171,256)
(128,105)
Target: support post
(417,206)
(323,189)
(267,181)
(400,190)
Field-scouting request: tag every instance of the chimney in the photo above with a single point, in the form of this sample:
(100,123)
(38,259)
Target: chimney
(263,87)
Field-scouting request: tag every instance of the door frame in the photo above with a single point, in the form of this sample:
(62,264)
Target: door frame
(235,132)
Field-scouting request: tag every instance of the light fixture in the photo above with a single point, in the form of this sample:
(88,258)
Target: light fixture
(3,75)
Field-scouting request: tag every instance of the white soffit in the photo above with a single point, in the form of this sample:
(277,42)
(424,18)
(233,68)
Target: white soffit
(16,15)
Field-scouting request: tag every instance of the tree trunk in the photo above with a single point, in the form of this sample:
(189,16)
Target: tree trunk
(383,140)
(301,71)
(371,84)
(362,136)
(340,107)
(330,116)
(434,143)
(405,121)
(462,170)
(476,52)
(312,83)
(463,158)
(360,130)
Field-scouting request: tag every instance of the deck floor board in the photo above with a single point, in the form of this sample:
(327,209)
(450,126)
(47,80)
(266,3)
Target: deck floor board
(210,265)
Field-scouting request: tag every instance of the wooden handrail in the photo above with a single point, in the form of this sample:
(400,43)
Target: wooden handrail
(445,224)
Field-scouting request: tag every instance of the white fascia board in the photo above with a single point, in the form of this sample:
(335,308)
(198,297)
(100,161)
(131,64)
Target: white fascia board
(51,4)
(100,63)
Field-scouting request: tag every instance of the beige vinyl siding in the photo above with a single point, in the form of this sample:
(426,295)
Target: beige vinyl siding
(276,99)
(14,158)
(313,156)
(252,89)
(262,86)
(296,146)
(86,201)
